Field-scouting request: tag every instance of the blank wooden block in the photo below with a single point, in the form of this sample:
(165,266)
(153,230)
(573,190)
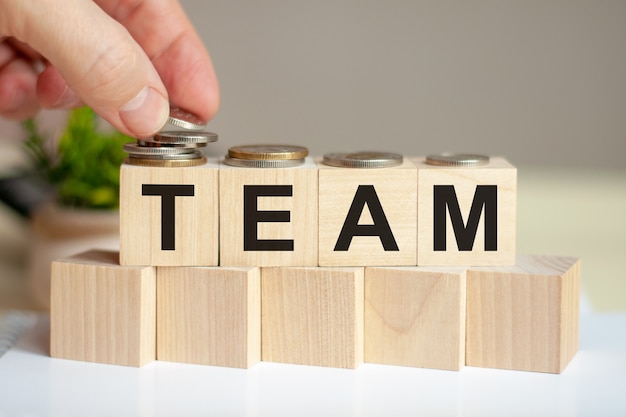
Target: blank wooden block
(209,316)
(278,224)
(486,235)
(101,311)
(169,216)
(382,202)
(312,316)
(524,317)
(415,316)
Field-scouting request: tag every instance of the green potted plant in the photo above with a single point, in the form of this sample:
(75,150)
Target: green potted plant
(82,169)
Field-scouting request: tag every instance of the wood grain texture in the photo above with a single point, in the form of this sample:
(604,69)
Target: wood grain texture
(524,317)
(196,218)
(302,208)
(397,192)
(313,316)
(101,311)
(498,172)
(415,316)
(209,316)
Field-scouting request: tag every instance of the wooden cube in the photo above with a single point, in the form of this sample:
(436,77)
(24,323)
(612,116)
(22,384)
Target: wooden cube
(209,315)
(524,317)
(101,311)
(169,216)
(415,316)
(312,316)
(466,215)
(367,216)
(268,216)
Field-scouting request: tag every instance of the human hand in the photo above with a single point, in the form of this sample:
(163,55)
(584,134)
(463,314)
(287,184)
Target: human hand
(126,59)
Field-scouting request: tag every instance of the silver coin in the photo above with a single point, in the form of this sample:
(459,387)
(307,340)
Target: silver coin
(151,143)
(185,137)
(181,118)
(457,160)
(161,163)
(169,157)
(363,159)
(263,163)
(273,152)
(136,149)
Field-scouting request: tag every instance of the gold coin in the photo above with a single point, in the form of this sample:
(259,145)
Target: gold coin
(164,163)
(268,152)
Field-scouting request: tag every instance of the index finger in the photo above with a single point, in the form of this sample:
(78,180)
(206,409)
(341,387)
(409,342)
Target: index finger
(167,36)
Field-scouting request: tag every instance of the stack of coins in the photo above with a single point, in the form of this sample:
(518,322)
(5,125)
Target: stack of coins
(363,159)
(173,148)
(266,156)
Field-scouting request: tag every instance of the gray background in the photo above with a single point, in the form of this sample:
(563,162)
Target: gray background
(540,82)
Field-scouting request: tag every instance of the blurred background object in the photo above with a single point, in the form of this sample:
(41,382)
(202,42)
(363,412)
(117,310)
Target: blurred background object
(69,189)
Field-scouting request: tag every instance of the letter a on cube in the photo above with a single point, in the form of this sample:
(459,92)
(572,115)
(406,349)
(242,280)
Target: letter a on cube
(367,215)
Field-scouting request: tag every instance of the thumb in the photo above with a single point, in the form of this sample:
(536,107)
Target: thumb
(99,60)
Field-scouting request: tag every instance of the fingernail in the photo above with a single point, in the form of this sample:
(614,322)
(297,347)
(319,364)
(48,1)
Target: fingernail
(145,114)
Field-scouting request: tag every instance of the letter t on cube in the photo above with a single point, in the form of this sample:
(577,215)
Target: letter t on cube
(169,215)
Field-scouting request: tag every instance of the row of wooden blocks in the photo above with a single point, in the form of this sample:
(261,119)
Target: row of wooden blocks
(318,215)
(522,317)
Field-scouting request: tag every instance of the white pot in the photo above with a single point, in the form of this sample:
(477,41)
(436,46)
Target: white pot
(59,232)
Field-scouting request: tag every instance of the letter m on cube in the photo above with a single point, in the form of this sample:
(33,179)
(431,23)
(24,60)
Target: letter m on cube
(445,201)
(466,215)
